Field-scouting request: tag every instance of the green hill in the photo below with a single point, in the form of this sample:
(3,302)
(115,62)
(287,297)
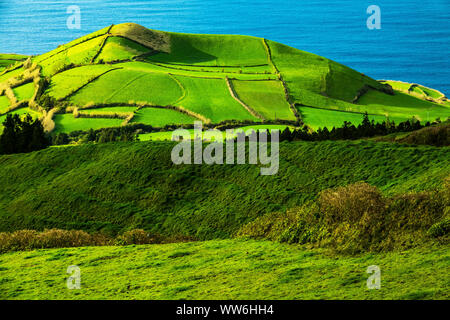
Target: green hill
(119,186)
(226,269)
(213,78)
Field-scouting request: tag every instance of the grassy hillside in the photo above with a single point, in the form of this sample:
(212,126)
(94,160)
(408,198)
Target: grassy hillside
(118,186)
(214,78)
(222,270)
(7,60)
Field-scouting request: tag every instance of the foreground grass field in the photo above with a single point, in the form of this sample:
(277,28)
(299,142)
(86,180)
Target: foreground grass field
(116,186)
(228,269)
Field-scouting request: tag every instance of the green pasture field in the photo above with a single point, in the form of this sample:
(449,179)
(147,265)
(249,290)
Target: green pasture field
(6,63)
(189,71)
(404,87)
(112,110)
(12,56)
(398,85)
(67,123)
(216,71)
(7,60)
(24,92)
(167,135)
(78,54)
(201,72)
(402,105)
(212,99)
(430,92)
(270,127)
(265,97)
(309,72)
(10,74)
(117,48)
(214,50)
(227,269)
(4,104)
(399,107)
(124,86)
(159,136)
(300,69)
(344,83)
(66,82)
(46,56)
(21,112)
(159,117)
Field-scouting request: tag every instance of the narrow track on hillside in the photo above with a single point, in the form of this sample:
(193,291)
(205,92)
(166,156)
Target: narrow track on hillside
(89,82)
(235,96)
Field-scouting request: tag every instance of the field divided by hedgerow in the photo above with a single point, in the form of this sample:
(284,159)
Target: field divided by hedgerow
(67,123)
(265,97)
(24,92)
(211,98)
(159,117)
(402,105)
(129,85)
(213,50)
(65,83)
(128,64)
(117,48)
(80,54)
(248,270)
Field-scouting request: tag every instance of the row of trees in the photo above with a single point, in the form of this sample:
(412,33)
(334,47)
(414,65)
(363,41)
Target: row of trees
(123,134)
(22,135)
(348,131)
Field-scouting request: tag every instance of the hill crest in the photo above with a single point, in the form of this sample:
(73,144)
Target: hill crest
(126,73)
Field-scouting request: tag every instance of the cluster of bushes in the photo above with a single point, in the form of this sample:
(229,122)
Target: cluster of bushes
(104,115)
(124,134)
(348,131)
(56,238)
(359,218)
(22,135)
(46,101)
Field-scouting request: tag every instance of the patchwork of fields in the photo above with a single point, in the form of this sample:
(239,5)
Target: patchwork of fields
(164,78)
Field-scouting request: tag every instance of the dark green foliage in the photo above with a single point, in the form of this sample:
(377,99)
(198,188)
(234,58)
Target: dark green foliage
(124,134)
(435,136)
(61,139)
(440,229)
(358,218)
(47,102)
(121,134)
(22,135)
(115,187)
(22,240)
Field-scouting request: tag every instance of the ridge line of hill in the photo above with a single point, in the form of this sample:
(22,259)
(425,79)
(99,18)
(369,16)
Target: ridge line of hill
(89,82)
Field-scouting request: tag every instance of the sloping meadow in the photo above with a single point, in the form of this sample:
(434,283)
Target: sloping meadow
(116,187)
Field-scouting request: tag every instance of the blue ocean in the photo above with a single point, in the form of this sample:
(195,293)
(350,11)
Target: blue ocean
(412,45)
